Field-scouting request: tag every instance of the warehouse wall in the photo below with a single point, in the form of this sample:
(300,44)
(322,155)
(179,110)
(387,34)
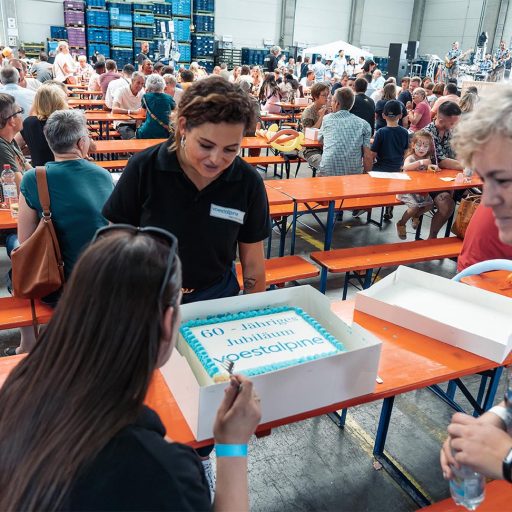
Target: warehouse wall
(35,18)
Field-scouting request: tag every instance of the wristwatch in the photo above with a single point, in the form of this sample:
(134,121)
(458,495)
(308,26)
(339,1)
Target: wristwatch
(507,467)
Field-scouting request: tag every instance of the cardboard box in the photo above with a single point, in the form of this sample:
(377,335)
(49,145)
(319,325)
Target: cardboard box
(311,133)
(301,101)
(288,391)
(463,316)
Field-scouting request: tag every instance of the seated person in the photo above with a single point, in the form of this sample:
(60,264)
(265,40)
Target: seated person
(186,78)
(449,94)
(158,107)
(419,114)
(312,117)
(308,80)
(128,100)
(101,448)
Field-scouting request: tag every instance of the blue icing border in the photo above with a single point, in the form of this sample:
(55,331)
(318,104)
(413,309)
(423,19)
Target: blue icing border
(211,367)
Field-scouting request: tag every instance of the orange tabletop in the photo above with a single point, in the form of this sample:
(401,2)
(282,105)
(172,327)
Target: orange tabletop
(492,281)
(8,222)
(274,117)
(275,197)
(76,102)
(261,143)
(102,116)
(125,146)
(84,92)
(363,185)
(498,498)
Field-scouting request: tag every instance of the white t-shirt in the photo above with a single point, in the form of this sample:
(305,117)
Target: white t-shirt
(94,82)
(178,93)
(33,84)
(61,60)
(124,98)
(319,69)
(338,66)
(113,86)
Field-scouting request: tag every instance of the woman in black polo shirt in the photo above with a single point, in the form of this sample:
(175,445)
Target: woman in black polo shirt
(201,191)
(74,433)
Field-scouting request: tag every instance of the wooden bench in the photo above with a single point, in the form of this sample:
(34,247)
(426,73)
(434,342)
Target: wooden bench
(111,164)
(274,160)
(367,258)
(16,313)
(283,270)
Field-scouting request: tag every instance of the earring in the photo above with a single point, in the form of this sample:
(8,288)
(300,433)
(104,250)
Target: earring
(183,141)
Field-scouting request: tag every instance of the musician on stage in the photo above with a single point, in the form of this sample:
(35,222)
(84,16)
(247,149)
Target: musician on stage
(501,56)
(486,66)
(452,62)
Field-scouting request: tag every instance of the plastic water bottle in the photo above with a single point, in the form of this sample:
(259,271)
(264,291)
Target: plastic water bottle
(467,487)
(9,189)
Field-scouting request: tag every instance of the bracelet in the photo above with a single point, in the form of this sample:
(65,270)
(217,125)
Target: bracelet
(231,450)
(500,411)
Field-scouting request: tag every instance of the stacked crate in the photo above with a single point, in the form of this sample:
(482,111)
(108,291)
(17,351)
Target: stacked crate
(143,28)
(97,19)
(203,40)
(253,56)
(121,35)
(182,15)
(163,14)
(74,21)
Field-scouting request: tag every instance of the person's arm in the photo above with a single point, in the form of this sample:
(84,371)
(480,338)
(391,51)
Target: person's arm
(27,219)
(450,163)
(253,267)
(414,117)
(416,165)
(368,156)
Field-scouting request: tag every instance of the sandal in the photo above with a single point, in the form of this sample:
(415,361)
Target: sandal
(402,231)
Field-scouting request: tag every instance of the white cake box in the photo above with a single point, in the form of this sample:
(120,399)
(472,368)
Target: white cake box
(288,391)
(301,101)
(466,317)
(311,133)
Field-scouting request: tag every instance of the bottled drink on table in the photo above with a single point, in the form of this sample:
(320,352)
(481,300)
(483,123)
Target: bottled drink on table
(9,189)
(467,487)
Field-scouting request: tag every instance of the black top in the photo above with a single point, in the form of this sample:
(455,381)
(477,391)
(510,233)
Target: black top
(380,122)
(139,470)
(390,144)
(154,191)
(364,107)
(33,135)
(141,58)
(405,96)
(270,63)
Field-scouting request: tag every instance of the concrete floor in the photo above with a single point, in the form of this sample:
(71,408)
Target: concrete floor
(316,466)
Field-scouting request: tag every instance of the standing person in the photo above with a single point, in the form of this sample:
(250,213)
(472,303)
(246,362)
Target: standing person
(270,64)
(64,65)
(320,69)
(405,95)
(350,68)
(42,69)
(364,107)
(419,157)
(257,80)
(339,65)
(143,55)
(297,68)
(451,62)
(419,115)
(98,447)
(483,143)
(360,63)
(158,107)
(501,56)
(346,138)
(388,94)
(128,100)
(305,67)
(118,83)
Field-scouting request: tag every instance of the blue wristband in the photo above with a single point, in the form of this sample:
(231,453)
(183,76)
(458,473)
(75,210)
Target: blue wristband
(231,450)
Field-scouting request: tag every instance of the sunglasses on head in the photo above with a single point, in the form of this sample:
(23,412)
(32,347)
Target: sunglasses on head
(159,234)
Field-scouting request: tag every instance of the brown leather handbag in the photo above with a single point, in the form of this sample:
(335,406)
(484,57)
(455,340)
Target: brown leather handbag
(37,266)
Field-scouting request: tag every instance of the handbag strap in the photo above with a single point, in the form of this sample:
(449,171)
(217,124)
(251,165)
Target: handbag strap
(44,199)
(161,123)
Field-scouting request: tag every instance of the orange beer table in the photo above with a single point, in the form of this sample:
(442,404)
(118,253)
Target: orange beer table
(104,119)
(8,222)
(409,361)
(77,103)
(492,281)
(332,188)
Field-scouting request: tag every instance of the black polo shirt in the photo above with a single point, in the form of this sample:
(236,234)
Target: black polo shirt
(364,107)
(139,470)
(154,191)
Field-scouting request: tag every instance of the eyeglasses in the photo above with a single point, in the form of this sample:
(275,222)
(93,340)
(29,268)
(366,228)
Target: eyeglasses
(162,235)
(20,111)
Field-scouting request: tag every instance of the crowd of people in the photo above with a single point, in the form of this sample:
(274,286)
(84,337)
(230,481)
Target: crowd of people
(96,413)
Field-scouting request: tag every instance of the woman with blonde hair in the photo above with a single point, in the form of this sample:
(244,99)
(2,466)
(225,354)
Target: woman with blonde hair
(468,102)
(48,99)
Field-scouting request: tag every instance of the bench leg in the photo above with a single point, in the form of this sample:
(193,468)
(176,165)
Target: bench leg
(337,418)
(282,238)
(345,285)
(323,280)
(368,278)
(449,225)
(269,241)
(294,228)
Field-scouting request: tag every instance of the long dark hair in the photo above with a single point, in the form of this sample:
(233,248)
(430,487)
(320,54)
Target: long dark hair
(269,87)
(88,374)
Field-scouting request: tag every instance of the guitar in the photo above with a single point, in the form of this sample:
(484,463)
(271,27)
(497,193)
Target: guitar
(501,61)
(449,63)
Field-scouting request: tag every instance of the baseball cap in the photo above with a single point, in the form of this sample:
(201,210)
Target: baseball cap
(392,108)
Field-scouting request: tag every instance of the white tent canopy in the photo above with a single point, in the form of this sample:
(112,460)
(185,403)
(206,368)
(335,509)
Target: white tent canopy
(330,50)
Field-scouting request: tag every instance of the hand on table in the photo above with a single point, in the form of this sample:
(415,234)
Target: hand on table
(475,443)
(238,414)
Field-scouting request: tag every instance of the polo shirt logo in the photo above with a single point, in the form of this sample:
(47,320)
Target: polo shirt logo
(223,212)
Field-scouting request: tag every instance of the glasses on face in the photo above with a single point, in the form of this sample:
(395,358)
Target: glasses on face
(162,235)
(20,111)
(324,95)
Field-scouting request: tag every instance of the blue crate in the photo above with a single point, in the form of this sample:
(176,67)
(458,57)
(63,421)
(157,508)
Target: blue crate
(97,18)
(96,3)
(143,7)
(104,49)
(204,23)
(181,8)
(143,18)
(203,45)
(182,29)
(122,56)
(204,5)
(207,64)
(58,32)
(185,52)
(143,33)
(120,20)
(124,8)
(97,35)
(121,38)
(162,9)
